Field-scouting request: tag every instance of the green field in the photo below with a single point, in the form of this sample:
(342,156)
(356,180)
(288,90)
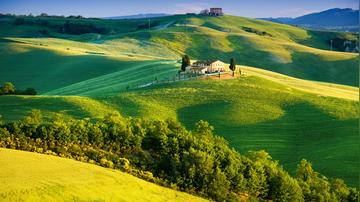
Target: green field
(311,113)
(33,177)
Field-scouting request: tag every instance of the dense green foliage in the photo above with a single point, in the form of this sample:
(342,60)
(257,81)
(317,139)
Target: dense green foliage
(9,89)
(165,152)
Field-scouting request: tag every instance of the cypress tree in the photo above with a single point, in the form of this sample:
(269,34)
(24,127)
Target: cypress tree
(232,65)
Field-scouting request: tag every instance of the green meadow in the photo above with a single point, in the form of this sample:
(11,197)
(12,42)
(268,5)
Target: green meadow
(295,99)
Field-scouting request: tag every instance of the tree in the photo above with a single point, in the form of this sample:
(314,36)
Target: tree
(185,62)
(8,88)
(315,187)
(232,65)
(44,15)
(30,91)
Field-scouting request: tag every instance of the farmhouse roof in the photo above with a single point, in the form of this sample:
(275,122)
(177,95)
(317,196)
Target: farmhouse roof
(205,62)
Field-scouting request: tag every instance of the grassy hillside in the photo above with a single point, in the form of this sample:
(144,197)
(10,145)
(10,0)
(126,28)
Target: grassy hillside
(68,59)
(29,176)
(59,63)
(253,113)
(291,118)
(16,107)
(280,49)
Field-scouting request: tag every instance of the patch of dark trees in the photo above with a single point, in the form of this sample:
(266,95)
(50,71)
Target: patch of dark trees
(344,45)
(45,15)
(68,27)
(255,31)
(9,89)
(166,153)
(79,28)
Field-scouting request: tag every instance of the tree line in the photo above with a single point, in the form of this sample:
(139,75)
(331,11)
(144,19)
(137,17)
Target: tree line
(68,27)
(9,89)
(164,152)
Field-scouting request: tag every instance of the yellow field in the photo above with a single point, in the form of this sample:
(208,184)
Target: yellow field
(319,88)
(26,176)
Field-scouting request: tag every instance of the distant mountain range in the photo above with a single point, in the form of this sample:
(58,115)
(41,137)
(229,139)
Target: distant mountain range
(339,19)
(139,16)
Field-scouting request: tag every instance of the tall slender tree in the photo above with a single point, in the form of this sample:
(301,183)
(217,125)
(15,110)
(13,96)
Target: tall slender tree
(185,62)
(232,65)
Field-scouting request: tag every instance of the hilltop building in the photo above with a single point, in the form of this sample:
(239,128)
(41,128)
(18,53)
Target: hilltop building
(216,11)
(212,12)
(206,67)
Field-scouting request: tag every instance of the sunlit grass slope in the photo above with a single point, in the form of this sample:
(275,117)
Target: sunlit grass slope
(51,66)
(254,113)
(121,80)
(29,176)
(318,88)
(17,107)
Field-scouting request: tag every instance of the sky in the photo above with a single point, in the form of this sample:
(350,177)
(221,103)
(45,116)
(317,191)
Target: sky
(108,8)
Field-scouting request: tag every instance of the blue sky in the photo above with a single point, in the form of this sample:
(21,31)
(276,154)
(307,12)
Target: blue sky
(104,8)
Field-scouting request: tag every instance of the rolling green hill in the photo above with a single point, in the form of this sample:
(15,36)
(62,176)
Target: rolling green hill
(290,117)
(28,176)
(68,59)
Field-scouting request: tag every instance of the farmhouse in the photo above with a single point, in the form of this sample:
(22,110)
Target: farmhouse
(206,67)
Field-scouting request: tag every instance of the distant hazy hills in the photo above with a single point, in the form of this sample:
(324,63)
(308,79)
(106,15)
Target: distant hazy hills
(345,19)
(139,16)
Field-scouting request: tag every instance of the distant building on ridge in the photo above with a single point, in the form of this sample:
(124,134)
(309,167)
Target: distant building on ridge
(212,12)
(216,11)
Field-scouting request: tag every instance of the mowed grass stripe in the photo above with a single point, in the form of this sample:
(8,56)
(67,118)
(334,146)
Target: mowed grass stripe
(118,81)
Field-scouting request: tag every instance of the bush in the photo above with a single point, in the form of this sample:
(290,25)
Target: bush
(30,91)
